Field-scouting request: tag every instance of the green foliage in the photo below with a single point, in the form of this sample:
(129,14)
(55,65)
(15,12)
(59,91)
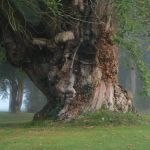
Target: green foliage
(54,6)
(134,28)
(132,16)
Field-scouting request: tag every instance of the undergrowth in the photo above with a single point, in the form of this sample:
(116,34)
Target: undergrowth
(101,118)
(109,118)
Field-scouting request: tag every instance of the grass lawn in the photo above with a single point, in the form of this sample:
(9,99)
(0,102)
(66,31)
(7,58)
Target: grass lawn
(17,132)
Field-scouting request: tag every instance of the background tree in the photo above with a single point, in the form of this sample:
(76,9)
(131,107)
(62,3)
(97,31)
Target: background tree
(129,77)
(68,50)
(12,86)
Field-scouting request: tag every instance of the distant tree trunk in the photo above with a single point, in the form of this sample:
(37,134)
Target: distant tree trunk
(133,79)
(16,96)
(19,95)
(77,68)
(13,96)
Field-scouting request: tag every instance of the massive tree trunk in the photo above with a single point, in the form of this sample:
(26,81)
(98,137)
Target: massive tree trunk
(77,67)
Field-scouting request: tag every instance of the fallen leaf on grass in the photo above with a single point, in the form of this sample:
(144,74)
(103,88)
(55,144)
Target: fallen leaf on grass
(88,127)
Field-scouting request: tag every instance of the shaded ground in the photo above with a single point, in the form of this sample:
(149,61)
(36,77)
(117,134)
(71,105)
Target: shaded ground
(87,133)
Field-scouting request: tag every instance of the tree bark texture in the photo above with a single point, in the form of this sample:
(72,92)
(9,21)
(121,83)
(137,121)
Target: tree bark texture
(77,67)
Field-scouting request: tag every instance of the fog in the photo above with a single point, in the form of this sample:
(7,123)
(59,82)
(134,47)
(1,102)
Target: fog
(4,105)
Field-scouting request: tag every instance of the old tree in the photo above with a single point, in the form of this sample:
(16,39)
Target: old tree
(67,49)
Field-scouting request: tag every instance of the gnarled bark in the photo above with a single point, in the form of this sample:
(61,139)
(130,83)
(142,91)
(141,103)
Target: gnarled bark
(76,69)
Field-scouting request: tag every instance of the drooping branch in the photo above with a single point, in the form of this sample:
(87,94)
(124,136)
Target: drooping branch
(64,37)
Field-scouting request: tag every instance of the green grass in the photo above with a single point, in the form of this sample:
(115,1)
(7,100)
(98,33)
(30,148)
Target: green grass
(100,131)
(9,119)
